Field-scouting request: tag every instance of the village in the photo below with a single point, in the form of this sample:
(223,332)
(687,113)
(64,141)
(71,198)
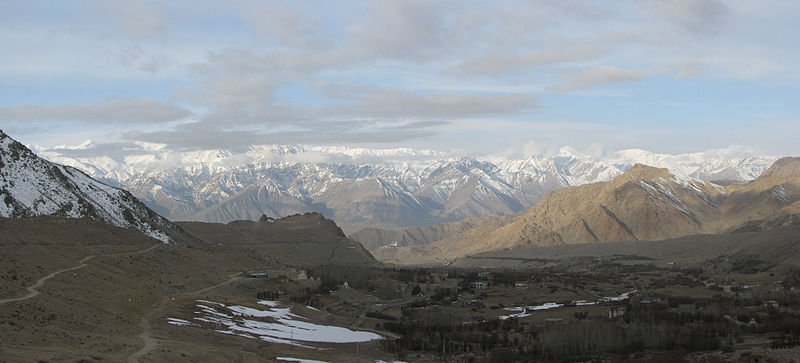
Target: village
(614,310)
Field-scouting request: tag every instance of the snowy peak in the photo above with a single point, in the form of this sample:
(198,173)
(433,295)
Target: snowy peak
(725,164)
(31,186)
(361,187)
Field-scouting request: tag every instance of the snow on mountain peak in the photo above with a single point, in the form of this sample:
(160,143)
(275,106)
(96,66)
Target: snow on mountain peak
(430,186)
(732,163)
(31,186)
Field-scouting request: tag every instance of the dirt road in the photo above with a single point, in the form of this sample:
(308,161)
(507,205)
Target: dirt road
(33,290)
(146,336)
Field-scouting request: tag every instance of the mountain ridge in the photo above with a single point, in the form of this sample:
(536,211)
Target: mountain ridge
(359,187)
(31,186)
(645,203)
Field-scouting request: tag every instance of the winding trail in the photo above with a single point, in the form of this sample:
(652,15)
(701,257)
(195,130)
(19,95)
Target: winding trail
(146,336)
(33,290)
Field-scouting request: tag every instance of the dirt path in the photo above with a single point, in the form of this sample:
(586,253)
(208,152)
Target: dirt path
(231,278)
(34,290)
(146,336)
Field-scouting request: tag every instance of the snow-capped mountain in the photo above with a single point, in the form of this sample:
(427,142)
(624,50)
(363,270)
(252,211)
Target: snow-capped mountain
(361,187)
(644,203)
(31,186)
(712,165)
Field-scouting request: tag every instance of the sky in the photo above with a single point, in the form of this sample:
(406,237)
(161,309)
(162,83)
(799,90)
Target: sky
(481,77)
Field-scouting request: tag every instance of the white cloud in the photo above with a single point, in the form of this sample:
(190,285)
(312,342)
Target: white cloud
(412,29)
(698,16)
(281,23)
(348,71)
(597,77)
(136,18)
(502,63)
(111,111)
(404,104)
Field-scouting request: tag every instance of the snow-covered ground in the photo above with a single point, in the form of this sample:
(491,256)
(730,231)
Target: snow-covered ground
(271,323)
(523,311)
(180,322)
(298,360)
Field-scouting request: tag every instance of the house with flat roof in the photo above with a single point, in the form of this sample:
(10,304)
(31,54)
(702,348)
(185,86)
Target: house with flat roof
(479,285)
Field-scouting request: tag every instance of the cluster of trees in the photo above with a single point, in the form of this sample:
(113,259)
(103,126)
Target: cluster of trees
(385,283)
(663,325)
(508,338)
(308,297)
(445,334)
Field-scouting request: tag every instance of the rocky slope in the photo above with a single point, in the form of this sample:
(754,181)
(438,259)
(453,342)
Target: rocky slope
(31,186)
(385,188)
(775,250)
(645,203)
(769,201)
(307,239)
(376,238)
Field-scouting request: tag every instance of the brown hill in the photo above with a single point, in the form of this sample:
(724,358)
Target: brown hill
(82,290)
(770,201)
(302,240)
(775,249)
(375,238)
(783,167)
(645,203)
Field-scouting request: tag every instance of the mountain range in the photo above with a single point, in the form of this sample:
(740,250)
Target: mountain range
(359,187)
(644,203)
(42,200)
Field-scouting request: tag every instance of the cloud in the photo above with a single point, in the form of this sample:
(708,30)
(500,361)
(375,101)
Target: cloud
(689,69)
(111,111)
(208,135)
(395,103)
(346,71)
(114,150)
(597,77)
(496,64)
(697,16)
(135,57)
(239,87)
(281,23)
(135,18)
(412,29)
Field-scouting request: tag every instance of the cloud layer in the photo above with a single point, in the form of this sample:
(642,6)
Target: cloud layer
(196,75)
(129,111)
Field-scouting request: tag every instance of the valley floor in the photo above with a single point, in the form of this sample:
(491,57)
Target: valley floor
(76,290)
(81,291)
